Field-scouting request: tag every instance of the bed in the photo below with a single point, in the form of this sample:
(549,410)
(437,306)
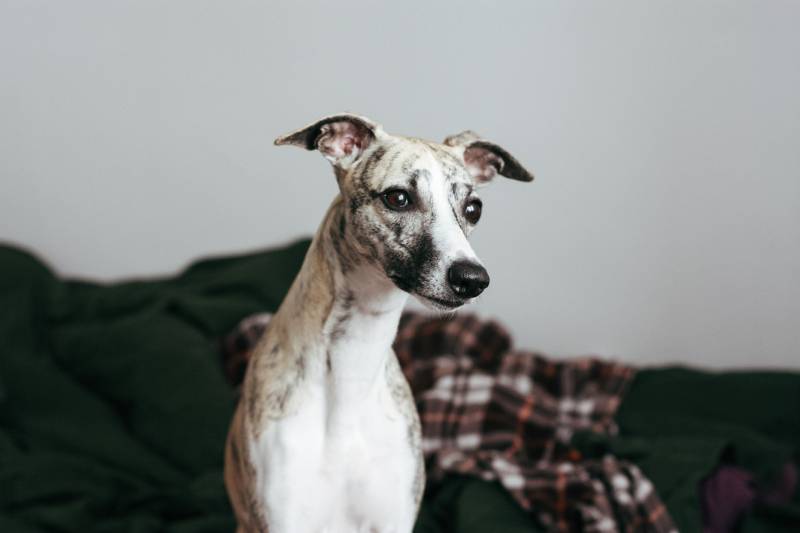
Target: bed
(115,401)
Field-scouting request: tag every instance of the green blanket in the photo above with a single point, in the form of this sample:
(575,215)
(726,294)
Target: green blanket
(114,409)
(113,406)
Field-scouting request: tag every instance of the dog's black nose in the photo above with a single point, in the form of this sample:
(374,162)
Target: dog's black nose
(467,279)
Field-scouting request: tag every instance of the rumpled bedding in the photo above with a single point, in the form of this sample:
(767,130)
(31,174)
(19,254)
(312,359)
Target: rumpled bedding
(114,406)
(499,414)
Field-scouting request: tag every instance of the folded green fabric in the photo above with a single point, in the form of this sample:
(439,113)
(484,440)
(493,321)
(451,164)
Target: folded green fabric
(470,505)
(678,424)
(113,406)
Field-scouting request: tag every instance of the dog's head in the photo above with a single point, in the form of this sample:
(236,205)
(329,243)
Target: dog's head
(411,203)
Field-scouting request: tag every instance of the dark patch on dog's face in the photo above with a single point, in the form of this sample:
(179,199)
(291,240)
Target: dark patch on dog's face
(413,246)
(407,265)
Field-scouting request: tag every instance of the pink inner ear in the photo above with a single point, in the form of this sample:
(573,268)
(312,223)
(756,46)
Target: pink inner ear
(481,163)
(341,139)
(348,143)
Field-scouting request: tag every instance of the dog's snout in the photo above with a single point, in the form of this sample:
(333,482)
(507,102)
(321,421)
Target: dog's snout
(467,279)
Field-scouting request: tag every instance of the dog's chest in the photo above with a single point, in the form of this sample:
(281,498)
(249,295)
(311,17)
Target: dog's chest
(349,464)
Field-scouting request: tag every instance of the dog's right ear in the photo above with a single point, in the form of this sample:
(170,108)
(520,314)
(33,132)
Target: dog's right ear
(340,138)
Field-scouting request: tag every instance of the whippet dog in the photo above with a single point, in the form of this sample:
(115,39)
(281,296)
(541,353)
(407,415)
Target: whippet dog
(326,436)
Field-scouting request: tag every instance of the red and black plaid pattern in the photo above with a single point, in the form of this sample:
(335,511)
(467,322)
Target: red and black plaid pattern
(501,414)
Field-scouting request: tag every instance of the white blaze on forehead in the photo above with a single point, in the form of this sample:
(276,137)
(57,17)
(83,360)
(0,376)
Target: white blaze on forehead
(448,237)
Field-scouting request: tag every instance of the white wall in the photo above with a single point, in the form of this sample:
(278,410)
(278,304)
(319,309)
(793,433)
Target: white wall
(664,223)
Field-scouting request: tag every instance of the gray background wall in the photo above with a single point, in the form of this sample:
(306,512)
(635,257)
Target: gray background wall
(664,224)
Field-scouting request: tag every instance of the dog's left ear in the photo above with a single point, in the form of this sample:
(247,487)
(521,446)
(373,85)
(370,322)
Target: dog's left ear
(484,159)
(341,139)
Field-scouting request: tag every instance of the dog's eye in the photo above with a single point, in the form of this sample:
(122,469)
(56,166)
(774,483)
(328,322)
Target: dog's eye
(396,199)
(472,211)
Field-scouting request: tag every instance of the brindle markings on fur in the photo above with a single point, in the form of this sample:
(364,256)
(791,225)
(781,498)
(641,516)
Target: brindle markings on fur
(404,399)
(338,235)
(407,259)
(407,166)
(242,471)
(364,171)
(384,158)
(396,151)
(272,401)
(457,201)
(443,153)
(272,398)
(264,366)
(339,327)
(396,226)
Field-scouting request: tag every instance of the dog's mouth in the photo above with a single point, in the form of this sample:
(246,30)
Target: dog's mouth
(435,302)
(441,304)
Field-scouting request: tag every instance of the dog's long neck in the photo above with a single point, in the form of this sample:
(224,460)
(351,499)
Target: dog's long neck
(347,311)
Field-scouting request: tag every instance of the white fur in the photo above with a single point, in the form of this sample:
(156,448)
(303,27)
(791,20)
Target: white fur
(340,461)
